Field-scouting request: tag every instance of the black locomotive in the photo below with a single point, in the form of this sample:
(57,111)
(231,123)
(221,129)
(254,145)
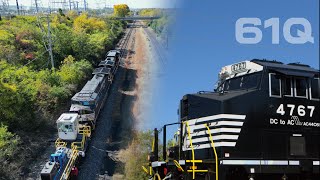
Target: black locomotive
(262,122)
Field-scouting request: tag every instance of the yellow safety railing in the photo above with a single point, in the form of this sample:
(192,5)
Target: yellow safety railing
(193,161)
(156,176)
(192,150)
(60,143)
(215,152)
(86,132)
(75,147)
(145,169)
(178,165)
(66,173)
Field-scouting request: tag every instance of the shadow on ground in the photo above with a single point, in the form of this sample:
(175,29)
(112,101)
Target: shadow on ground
(114,127)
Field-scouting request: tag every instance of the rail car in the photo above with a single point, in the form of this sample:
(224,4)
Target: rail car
(92,94)
(261,122)
(113,55)
(109,64)
(75,126)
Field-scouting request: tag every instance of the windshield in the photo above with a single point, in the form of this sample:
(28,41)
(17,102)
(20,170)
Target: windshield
(242,82)
(75,102)
(65,127)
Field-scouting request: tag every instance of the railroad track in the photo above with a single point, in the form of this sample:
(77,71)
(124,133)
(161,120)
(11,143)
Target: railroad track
(124,43)
(157,48)
(95,160)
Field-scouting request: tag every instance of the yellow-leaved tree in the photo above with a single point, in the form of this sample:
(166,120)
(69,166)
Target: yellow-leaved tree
(121,10)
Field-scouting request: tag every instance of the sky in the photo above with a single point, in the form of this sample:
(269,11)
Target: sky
(108,3)
(204,41)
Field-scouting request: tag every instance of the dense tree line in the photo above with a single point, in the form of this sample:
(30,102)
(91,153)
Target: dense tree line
(30,89)
(160,26)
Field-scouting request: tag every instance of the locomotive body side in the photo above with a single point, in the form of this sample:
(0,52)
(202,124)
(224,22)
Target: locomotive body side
(264,121)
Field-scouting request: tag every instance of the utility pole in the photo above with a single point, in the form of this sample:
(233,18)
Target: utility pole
(77,2)
(50,42)
(18,7)
(70,5)
(37,8)
(85,5)
(21,9)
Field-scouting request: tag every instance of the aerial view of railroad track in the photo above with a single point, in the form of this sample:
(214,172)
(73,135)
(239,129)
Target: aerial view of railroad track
(106,103)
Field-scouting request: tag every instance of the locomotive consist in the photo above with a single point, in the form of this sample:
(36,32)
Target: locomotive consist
(262,122)
(75,126)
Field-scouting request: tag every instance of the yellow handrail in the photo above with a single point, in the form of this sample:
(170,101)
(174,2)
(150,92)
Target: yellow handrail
(60,143)
(214,150)
(86,132)
(145,169)
(156,175)
(193,162)
(178,165)
(66,173)
(75,147)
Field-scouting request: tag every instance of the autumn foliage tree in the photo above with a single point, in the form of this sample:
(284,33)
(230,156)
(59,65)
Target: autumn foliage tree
(135,155)
(121,10)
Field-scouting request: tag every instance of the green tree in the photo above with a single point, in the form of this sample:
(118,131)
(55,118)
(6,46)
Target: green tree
(8,143)
(121,10)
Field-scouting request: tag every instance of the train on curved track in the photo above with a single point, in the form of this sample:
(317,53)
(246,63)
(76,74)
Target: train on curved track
(75,126)
(261,122)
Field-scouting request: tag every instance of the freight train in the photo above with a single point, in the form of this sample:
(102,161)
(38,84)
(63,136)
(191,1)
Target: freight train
(75,126)
(261,122)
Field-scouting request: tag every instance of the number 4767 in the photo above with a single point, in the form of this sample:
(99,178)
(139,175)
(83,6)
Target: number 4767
(300,109)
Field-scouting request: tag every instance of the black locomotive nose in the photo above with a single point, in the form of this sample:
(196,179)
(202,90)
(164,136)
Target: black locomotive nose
(200,105)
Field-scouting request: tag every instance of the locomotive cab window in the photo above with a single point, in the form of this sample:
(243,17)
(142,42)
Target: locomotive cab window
(274,85)
(314,89)
(300,87)
(83,112)
(244,82)
(250,81)
(287,86)
(234,84)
